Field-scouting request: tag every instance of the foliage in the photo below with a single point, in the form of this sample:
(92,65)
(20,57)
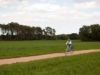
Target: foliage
(90,33)
(73,36)
(62,37)
(15,31)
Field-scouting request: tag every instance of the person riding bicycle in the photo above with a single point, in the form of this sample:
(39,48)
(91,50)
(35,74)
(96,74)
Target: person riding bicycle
(69,44)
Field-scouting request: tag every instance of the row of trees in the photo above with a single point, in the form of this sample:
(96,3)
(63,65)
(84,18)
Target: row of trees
(73,36)
(15,31)
(90,33)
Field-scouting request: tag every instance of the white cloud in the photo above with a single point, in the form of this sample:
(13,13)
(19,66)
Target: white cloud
(10,3)
(38,7)
(86,4)
(85,1)
(46,1)
(64,19)
(5,3)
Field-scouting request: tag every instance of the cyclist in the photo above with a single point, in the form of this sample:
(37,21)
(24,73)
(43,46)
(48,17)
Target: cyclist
(69,45)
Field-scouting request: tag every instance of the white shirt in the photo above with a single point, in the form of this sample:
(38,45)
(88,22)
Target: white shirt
(68,42)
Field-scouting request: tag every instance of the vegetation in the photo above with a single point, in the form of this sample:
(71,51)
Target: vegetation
(85,64)
(15,31)
(73,36)
(10,49)
(90,33)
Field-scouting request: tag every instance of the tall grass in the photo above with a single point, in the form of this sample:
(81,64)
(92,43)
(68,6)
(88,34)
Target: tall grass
(10,49)
(85,64)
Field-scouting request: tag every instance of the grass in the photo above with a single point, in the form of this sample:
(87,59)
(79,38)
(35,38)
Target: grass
(10,49)
(84,64)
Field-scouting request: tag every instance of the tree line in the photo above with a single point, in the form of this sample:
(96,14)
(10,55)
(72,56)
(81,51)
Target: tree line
(15,31)
(90,33)
(73,36)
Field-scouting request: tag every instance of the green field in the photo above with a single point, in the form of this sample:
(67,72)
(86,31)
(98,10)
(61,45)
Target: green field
(10,49)
(85,64)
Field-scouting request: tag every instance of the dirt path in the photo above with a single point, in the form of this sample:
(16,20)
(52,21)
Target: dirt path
(38,57)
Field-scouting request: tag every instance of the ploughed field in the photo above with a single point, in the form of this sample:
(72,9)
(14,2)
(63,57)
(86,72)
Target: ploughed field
(9,49)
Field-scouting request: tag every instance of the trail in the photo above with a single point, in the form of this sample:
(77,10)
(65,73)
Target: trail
(45,56)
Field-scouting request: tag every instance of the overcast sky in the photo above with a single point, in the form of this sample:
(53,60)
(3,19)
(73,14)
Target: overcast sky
(66,16)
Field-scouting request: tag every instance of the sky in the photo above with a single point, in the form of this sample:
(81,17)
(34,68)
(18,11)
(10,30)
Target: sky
(65,16)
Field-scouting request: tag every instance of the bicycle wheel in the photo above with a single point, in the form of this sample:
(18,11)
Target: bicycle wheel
(67,50)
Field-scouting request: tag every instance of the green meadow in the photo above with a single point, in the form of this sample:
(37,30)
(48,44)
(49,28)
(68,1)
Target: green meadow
(84,64)
(9,49)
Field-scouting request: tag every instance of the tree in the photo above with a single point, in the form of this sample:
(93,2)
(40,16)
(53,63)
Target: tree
(90,33)
(15,31)
(62,36)
(49,33)
(74,36)
(38,33)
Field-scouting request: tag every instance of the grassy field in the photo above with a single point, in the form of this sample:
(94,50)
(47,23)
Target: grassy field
(10,49)
(85,64)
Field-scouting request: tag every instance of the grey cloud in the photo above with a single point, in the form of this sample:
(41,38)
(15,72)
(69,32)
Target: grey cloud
(86,4)
(85,1)
(10,3)
(82,1)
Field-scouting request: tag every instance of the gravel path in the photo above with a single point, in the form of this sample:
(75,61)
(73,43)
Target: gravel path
(38,57)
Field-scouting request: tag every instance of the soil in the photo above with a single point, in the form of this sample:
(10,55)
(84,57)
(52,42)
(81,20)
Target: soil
(45,56)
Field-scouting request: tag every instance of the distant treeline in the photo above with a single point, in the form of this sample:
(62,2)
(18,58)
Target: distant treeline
(73,36)
(15,31)
(90,33)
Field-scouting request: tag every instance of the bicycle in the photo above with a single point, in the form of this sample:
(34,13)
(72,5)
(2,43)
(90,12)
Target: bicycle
(68,50)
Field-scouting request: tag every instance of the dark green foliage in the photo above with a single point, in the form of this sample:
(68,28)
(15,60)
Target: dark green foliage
(15,31)
(90,33)
(73,36)
(62,37)
(85,64)
(49,33)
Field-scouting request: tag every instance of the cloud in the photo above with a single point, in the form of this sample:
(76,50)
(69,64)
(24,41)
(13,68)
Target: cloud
(47,1)
(44,7)
(85,1)
(86,4)
(5,3)
(10,4)
(65,19)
